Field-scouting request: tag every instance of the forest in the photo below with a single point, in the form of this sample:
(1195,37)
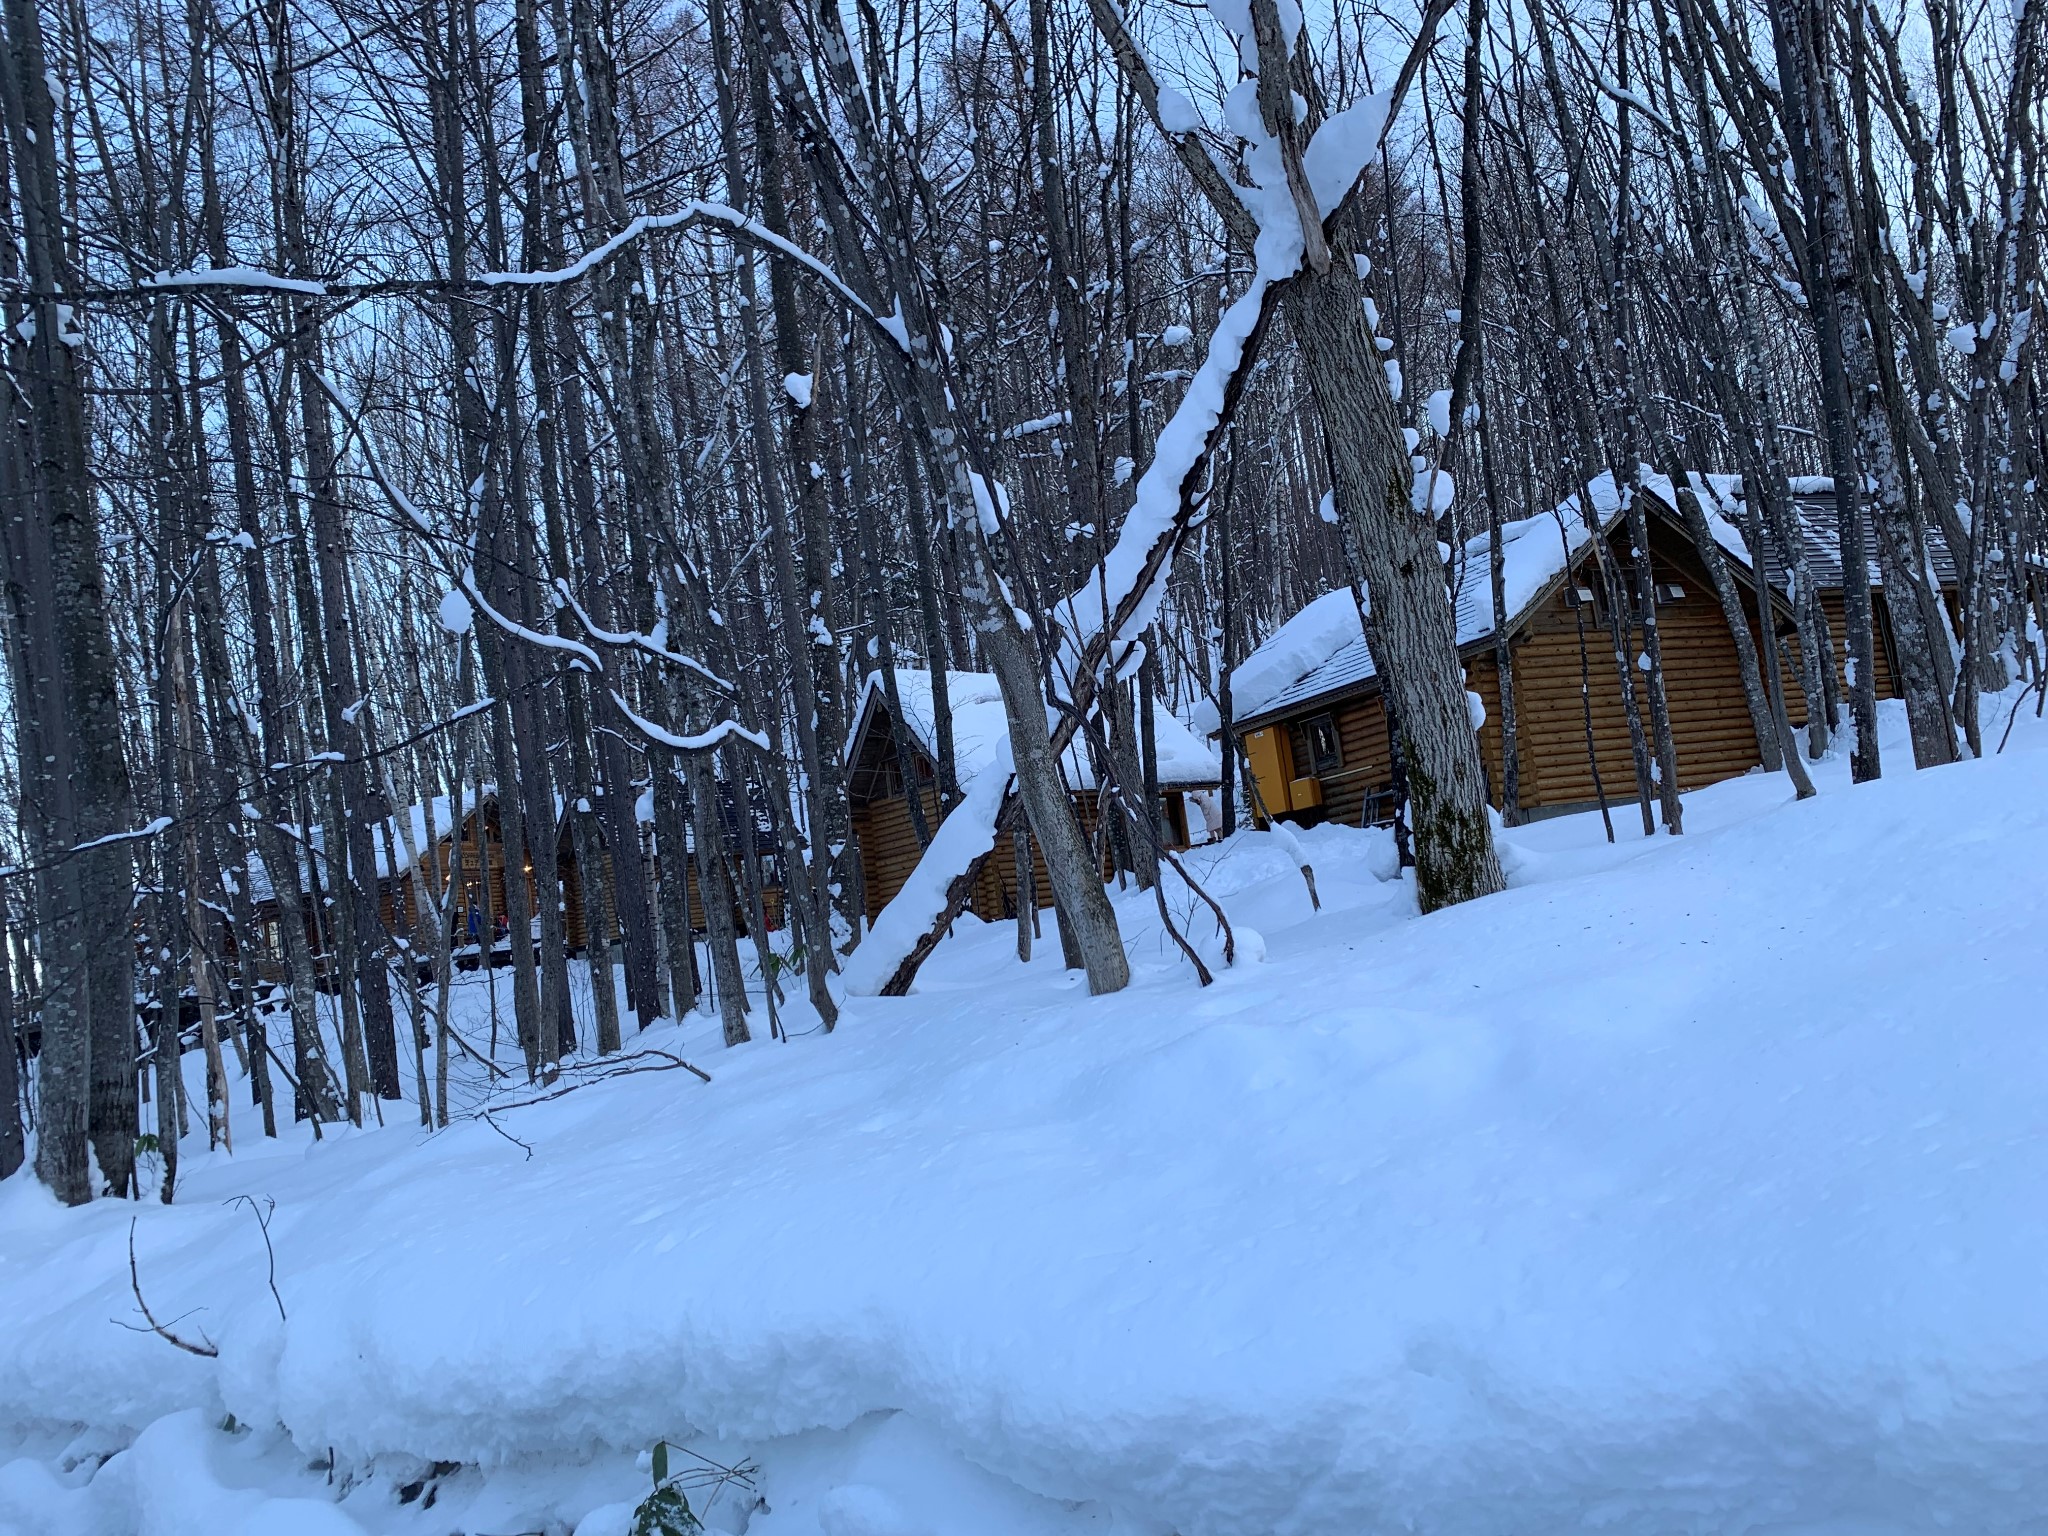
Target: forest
(471,468)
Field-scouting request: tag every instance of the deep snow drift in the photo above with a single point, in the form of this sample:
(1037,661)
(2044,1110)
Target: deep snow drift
(1691,1185)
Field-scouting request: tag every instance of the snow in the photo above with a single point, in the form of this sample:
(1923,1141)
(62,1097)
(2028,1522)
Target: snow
(1342,147)
(235,277)
(576,648)
(895,328)
(1315,634)
(713,735)
(1623,96)
(1177,114)
(455,613)
(1691,1185)
(2016,341)
(149,829)
(1433,490)
(1036,424)
(1176,336)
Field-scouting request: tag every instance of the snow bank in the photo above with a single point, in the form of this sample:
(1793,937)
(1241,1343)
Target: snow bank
(1690,1185)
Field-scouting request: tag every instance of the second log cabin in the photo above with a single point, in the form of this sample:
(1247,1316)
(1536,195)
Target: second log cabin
(889,761)
(1313,729)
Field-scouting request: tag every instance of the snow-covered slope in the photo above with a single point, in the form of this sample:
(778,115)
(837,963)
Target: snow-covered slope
(1688,1186)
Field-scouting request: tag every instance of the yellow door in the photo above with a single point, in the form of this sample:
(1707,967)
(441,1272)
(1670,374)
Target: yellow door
(1271,758)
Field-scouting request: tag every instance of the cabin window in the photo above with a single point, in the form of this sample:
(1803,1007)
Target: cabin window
(1325,746)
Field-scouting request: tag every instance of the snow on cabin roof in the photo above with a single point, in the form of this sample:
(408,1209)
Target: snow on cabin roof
(981,729)
(1324,648)
(414,820)
(1322,628)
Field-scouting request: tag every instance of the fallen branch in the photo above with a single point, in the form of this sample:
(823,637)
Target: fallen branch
(628,1066)
(1187,949)
(207,1350)
(1216,907)
(2014,713)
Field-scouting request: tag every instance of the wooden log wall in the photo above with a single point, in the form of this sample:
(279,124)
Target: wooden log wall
(1367,765)
(1710,724)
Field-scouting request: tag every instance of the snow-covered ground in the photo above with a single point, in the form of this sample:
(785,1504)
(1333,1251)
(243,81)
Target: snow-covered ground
(1690,1186)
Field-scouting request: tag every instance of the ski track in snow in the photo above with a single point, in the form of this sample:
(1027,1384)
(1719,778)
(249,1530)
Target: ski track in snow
(1690,1186)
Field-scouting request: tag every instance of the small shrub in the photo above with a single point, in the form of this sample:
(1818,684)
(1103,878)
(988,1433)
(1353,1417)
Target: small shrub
(665,1511)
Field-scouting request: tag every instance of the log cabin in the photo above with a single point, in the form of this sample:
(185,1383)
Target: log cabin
(878,748)
(424,825)
(1813,507)
(575,924)
(481,839)
(1313,730)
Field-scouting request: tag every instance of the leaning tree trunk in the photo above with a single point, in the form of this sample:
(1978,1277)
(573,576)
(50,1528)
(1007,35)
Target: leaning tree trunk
(920,373)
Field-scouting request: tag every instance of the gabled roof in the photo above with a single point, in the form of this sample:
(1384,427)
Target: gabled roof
(981,730)
(1820,529)
(1321,652)
(414,820)
(1537,552)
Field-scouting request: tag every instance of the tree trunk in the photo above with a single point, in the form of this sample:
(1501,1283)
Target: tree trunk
(1417,646)
(89,1016)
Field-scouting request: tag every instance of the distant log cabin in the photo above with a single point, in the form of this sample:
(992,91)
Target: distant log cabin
(1315,740)
(1813,506)
(878,753)
(430,827)
(575,924)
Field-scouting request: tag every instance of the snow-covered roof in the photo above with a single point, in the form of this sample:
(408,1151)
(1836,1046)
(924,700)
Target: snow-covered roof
(1325,626)
(1322,649)
(414,820)
(981,730)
